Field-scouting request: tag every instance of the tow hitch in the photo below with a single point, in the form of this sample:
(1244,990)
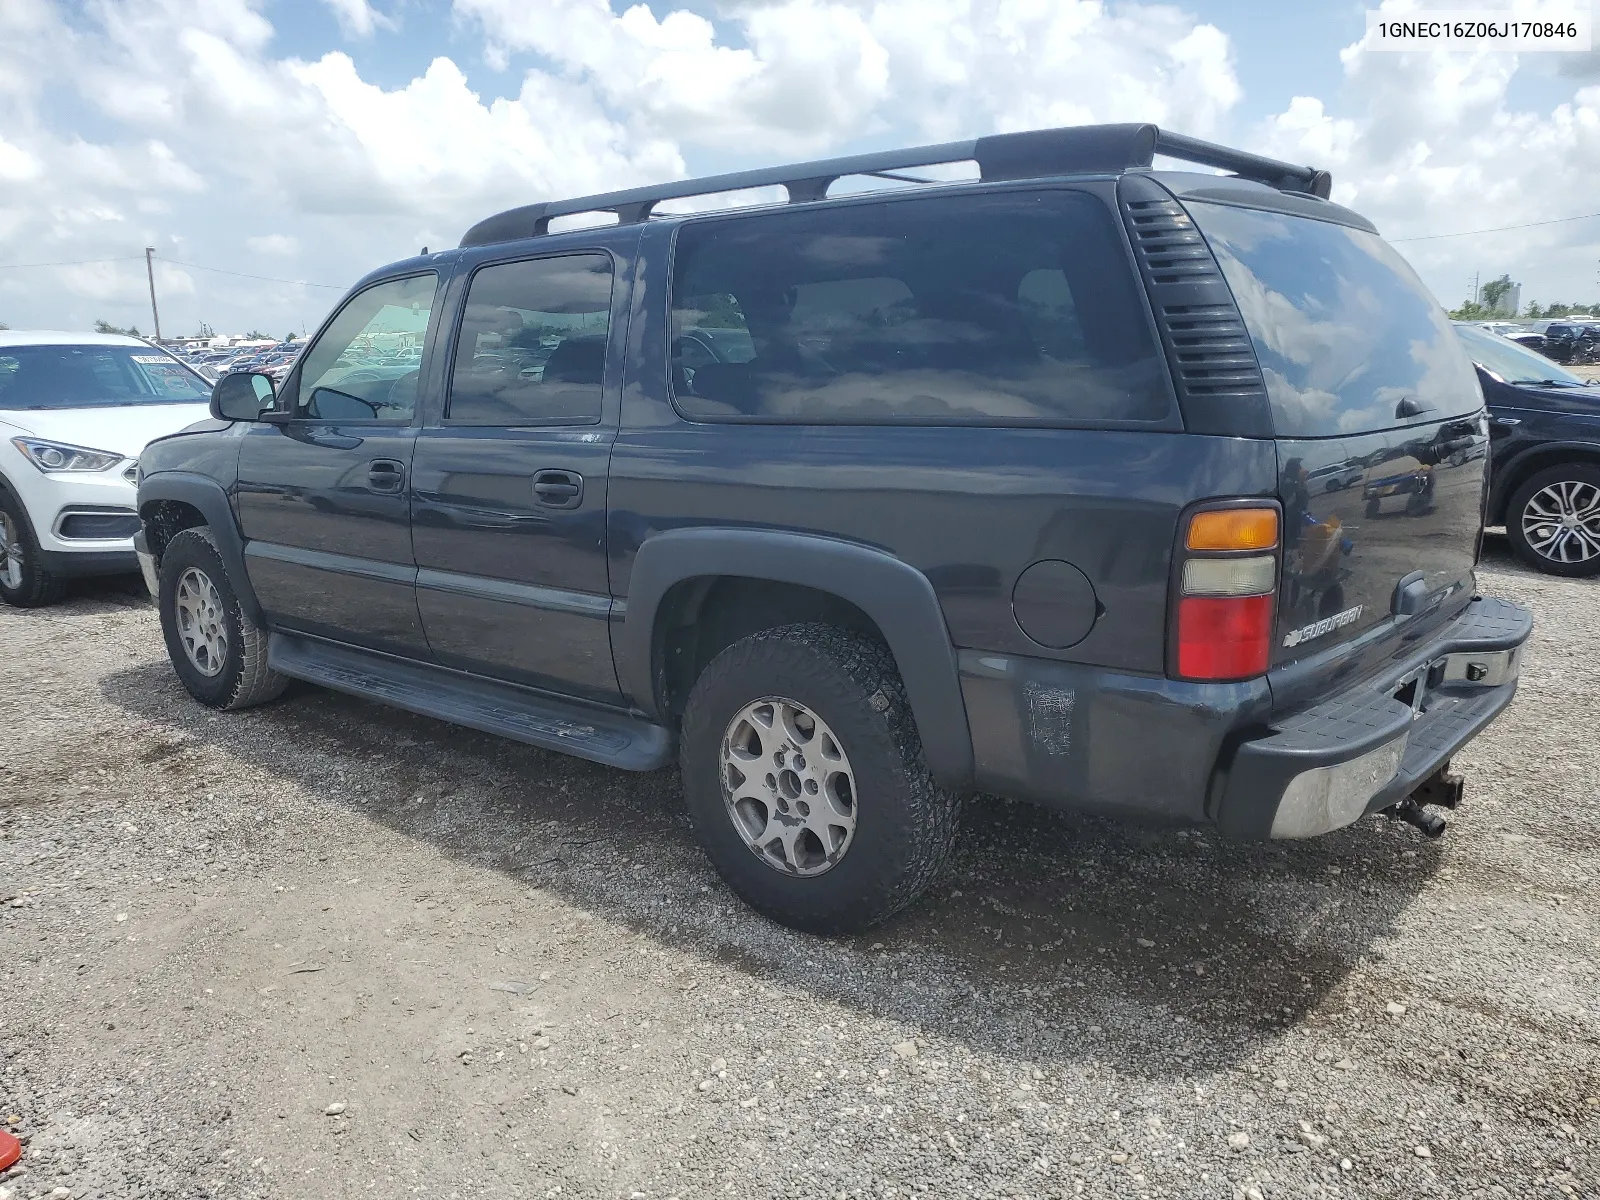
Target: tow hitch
(1442,789)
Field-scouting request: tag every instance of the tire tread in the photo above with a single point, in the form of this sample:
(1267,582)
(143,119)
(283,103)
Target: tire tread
(256,682)
(931,814)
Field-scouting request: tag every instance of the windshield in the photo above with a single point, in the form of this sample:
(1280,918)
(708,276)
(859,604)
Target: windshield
(1513,363)
(41,377)
(1349,339)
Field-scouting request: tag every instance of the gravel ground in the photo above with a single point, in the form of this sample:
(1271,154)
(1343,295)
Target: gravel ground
(327,949)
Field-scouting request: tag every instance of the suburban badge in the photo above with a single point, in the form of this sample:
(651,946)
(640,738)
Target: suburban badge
(1327,625)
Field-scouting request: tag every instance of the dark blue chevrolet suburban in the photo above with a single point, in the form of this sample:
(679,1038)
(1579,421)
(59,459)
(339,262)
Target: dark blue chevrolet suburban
(1157,493)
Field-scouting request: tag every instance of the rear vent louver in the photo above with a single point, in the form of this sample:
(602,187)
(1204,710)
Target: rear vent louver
(1208,348)
(1211,349)
(1171,247)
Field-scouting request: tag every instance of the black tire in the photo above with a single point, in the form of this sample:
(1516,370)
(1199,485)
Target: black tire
(35,587)
(243,679)
(905,823)
(1576,473)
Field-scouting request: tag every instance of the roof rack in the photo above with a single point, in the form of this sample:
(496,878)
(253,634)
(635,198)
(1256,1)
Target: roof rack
(1036,154)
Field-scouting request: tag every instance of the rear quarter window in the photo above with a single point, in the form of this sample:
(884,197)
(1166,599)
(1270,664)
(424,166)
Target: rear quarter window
(1348,338)
(1008,308)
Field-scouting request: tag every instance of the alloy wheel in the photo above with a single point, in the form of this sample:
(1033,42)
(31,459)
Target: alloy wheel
(12,560)
(202,623)
(788,786)
(1561,522)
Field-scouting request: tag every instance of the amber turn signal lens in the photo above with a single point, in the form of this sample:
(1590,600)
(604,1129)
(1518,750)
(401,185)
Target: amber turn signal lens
(1234,529)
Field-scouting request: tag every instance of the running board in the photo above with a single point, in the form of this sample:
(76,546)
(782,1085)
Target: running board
(548,722)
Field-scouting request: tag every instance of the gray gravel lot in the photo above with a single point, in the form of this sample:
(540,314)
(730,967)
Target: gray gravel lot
(327,949)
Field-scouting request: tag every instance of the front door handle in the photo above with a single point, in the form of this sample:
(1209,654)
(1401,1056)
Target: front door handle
(558,489)
(386,475)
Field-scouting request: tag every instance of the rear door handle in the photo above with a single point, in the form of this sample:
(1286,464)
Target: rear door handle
(558,489)
(386,475)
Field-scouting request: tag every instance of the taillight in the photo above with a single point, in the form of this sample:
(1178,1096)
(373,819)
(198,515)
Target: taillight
(1227,575)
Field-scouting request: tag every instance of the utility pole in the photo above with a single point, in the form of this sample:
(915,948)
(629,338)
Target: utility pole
(150,271)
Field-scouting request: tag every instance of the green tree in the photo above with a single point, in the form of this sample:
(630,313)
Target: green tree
(289,337)
(108,327)
(1470,311)
(255,335)
(1534,310)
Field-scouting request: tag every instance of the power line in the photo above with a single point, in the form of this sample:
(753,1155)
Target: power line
(1428,237)
(338,287)
(81,262)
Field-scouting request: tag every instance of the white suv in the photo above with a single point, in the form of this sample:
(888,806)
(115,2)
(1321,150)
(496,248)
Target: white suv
(76,410)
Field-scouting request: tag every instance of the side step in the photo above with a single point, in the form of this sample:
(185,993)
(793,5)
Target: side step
(597,734)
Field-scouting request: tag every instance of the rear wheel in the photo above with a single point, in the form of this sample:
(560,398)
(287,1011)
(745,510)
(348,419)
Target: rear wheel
(805,780)
(1553,520)
(219,654)
(24,582)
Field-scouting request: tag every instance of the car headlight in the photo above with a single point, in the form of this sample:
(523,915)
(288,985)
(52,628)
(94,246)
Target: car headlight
(50,457)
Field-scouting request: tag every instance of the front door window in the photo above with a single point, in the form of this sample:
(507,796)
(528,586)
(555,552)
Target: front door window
(364,366)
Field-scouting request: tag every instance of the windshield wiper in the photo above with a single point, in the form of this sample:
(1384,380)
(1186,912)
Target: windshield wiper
(1551,382)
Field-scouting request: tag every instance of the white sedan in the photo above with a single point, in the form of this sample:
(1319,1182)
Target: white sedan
(76,410)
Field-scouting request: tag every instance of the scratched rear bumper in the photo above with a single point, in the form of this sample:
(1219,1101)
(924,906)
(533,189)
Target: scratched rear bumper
(1083,738)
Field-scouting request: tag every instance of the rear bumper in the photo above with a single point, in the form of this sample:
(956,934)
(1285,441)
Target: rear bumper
(1085,738)
(1371,745)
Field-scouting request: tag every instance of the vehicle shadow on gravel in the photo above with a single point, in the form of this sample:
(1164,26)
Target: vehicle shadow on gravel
(1158,952)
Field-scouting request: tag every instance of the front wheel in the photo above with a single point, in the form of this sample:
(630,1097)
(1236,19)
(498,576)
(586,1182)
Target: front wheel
(219,654)
(805,781)
(24,583)
(1553,520)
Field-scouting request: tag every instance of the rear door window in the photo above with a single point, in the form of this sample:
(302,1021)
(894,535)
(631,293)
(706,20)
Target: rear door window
(1348,338)
(1011,308)
(532,349)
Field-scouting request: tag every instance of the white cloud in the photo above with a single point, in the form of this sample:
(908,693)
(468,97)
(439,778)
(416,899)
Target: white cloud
(279,244)
(199,134)
(16,164)
(1433,143)
(357,18)
(811,73)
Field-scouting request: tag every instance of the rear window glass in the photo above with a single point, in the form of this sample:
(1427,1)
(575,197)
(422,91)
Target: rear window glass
(1348,338)
(42,377)
(1016,308)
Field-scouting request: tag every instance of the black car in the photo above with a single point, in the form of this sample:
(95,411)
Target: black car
(857,504)
(1544,427)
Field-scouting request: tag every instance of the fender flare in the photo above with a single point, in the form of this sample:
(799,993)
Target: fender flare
(208,496)
(1516,469)
(895,595)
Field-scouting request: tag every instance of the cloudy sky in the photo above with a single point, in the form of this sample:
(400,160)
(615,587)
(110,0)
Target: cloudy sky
(310,140)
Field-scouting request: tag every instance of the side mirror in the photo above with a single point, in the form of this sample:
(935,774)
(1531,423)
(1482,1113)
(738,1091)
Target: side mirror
(242,396)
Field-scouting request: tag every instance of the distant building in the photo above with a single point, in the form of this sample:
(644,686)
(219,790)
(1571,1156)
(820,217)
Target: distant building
(1510,304)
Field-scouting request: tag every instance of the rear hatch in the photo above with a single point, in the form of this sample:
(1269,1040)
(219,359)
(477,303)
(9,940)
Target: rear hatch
(1381,442)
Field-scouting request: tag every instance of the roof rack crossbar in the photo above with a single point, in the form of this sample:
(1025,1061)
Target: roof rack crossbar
(1082,149)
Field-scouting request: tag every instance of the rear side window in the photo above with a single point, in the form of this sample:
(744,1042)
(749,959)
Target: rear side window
(532,349)
(1017,308)
(1349,339)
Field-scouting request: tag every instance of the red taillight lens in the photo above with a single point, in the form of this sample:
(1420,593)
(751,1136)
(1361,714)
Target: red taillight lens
(1224,637)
